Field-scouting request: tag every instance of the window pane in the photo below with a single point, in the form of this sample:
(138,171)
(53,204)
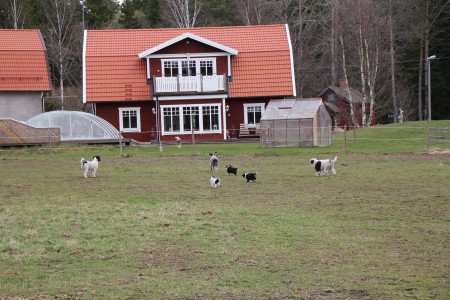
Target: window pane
(188,68)
(187,118)
(206,67)
(215,121)
(191,114)
(170,68)
(184,68)
(133,121)
(258,116)
(175,119)
(192,68)
(251,118)
(206,118)
(167,123)
(171,119)
(126,120)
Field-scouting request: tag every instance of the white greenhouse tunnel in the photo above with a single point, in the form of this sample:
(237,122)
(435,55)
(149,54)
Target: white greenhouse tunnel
(75,125)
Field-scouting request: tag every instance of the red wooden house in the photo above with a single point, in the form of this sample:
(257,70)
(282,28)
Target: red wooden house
(337,103)
(162,83)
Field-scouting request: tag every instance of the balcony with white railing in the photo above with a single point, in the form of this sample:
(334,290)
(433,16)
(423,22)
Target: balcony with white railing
(190,84)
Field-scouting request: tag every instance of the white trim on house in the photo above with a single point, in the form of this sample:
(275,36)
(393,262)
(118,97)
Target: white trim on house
(138,119)
(200,118)
(180,56)
(84,66)
(224,118)
(187,35)
(185,55)
(246,106)
(197,60)
(187,97)
(147,65)
(291,57)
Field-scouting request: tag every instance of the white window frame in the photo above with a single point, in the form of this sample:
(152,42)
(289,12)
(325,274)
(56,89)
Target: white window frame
(246,106)
(200,125)
(197,64)
(137,110)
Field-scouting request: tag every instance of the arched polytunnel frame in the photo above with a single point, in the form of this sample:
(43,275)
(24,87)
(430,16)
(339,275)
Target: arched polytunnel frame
(76,125)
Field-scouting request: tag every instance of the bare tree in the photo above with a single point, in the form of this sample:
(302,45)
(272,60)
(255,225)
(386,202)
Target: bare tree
(350,96)
(253,12)
(16,8)
(365,35)
(392,59)
(333,39)
(60,16)
(183,13)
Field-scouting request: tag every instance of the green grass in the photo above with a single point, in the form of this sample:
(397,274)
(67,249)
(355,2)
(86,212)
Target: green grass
(408,137)
(150,226)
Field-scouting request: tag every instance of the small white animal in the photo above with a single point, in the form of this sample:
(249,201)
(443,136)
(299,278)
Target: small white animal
(178,141)
(323,166)
(214,162)
(215,182)
(90,166)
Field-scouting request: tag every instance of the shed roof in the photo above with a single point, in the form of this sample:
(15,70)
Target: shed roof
(23,61)
(343,93)
(263,65)
(292,109)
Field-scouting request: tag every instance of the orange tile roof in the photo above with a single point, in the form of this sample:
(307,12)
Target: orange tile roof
(23,61)
(114,72)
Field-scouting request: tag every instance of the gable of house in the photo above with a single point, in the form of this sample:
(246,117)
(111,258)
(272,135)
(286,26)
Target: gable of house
(23,61)
(115,68)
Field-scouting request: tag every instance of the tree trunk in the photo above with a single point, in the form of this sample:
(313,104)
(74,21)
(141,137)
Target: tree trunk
(362,74)
(371,81)
(419,91)
(350,97)
(333,43)
(392,56)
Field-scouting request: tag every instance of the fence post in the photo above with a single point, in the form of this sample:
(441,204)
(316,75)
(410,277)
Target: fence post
(345,138)
(354,134)
(50,144)
(120,143)
(428,137)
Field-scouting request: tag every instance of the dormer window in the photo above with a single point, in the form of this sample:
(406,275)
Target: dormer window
(189,67)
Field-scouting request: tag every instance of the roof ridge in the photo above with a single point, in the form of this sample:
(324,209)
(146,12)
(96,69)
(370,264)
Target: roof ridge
(188,28)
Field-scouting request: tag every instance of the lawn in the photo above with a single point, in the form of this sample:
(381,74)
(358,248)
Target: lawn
(151,227)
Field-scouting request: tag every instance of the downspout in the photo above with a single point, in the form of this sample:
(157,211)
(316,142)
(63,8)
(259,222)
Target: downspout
(224,117)
(151,83)
(42,103)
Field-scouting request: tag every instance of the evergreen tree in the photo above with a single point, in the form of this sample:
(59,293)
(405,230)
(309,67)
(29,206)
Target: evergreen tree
(99,13)
(128,17)
(217,13)
(151,11)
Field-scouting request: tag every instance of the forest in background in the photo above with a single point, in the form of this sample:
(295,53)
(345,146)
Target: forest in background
(379,46)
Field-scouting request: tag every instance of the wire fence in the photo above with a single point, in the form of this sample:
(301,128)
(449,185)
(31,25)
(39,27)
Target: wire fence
(345,140)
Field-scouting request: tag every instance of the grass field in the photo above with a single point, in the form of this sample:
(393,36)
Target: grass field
(150,226)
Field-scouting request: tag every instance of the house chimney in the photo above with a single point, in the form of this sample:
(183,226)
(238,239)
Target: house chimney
(343,84)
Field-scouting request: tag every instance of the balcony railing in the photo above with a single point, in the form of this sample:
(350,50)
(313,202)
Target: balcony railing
(187,84)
